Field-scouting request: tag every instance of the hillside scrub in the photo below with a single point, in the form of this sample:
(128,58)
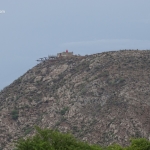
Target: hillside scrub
(46,139)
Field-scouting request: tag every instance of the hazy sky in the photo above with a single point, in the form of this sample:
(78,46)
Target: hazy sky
(37,28)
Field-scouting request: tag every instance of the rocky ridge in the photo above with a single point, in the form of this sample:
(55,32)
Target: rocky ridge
(101,98)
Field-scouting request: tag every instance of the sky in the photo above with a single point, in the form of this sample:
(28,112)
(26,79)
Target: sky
(33,29)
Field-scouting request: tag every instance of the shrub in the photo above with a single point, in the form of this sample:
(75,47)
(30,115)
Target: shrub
(15,114)
(52,140)
(64,110)
(139,144)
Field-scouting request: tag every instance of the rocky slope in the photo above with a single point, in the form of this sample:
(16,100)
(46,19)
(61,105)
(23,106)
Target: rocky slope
(101,98)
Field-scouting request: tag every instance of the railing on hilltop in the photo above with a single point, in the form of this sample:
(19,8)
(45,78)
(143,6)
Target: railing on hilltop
(50,57)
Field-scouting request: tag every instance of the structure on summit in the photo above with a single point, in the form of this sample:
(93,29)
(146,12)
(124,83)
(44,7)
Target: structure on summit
(53,57)
(65,54)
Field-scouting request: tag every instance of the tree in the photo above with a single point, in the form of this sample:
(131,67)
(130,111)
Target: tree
(139,144)
(46,139)
(53,140)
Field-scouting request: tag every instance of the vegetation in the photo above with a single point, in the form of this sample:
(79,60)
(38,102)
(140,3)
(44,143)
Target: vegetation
(64,110)
(46,139)
(15,114)
(52,140)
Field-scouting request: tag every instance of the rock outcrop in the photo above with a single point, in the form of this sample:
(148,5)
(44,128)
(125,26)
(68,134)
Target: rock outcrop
(101,98)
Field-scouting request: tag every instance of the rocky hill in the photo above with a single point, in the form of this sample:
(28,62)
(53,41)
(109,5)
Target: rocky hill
(101,98)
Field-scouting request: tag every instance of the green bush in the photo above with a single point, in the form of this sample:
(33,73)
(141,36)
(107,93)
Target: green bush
(27,131)
(64,110)
(15,114)
(115,147)
(139,144)
(53,140)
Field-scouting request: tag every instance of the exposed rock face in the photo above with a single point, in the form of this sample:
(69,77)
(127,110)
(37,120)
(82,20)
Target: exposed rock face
(101,98)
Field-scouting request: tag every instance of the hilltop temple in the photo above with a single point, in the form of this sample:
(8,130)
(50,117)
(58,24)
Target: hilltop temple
(65,54)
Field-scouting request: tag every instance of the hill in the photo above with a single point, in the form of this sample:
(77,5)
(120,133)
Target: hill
(101,98)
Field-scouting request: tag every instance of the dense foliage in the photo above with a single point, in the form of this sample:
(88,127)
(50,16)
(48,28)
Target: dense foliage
(54,140)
